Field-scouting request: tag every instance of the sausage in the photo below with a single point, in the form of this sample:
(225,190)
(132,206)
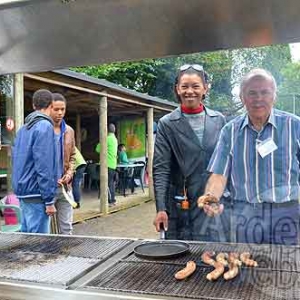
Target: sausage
(234,258)
(187,271)
(245,258)
(206,199)
(206,258)
(217,272)
(232,272)
(222,258)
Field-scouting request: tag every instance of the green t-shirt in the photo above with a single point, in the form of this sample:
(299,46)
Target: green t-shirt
(79,160)
(112,150)
(123,158)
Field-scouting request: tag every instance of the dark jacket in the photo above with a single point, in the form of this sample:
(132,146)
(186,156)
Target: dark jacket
(33,158)
(178,156)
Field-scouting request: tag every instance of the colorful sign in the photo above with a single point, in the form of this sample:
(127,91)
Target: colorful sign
(133,135)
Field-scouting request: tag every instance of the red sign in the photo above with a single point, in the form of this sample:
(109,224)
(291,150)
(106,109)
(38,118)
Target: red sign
(10,124)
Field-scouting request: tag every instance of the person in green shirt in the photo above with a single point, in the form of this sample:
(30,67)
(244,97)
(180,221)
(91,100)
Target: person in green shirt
(122,155)
(112,155)
(80,165)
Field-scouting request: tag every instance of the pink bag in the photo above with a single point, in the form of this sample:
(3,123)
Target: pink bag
(10,217)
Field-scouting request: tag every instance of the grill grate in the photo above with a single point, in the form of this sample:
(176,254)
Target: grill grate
(158,279)
(53,259)
(36,267)
(268,256)
(74,246)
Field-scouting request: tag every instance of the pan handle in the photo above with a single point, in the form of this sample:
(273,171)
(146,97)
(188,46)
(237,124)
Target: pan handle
(162,234)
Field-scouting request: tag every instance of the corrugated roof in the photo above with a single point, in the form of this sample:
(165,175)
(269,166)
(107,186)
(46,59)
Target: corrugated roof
(113,86)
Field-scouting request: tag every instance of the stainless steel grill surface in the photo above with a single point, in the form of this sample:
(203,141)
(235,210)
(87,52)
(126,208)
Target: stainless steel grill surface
(52,259)
(277,277)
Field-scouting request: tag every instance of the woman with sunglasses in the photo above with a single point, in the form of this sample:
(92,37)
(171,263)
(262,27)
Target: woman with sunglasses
(185,141)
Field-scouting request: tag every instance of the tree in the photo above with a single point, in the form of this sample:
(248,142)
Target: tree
(226,67)
(288,97)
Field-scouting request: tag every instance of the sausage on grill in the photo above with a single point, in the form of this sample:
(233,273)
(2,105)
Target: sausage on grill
(216,273)
(222,258)
(206,199)
(232,272)
(187,271)
(234,258)
(206,258)
(245,258)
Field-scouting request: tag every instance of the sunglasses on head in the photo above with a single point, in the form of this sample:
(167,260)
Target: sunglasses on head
(198,68)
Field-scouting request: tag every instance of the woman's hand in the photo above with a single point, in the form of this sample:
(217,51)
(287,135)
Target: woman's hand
(161,218)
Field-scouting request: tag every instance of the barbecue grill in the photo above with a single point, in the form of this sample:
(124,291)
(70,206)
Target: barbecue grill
(107,267)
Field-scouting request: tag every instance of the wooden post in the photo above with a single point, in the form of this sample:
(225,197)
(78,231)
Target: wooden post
(18,101)
(103,155)
(150,150)
(78,131)
(15,109)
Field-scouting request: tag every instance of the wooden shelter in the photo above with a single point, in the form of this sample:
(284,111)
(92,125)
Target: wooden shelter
(92,103)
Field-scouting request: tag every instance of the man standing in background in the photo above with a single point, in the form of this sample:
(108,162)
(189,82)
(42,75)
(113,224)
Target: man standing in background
(80,165)
(112,156)
(65,144)
(34,171)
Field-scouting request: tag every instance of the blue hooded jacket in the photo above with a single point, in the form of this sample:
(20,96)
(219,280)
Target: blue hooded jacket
(34,171)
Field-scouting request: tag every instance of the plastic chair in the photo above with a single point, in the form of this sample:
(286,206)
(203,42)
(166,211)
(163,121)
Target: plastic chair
(138,174)
(93,172)
(17,210)
(125,179)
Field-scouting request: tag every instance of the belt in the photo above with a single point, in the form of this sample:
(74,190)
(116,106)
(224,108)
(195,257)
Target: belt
(32,200)
(290,203)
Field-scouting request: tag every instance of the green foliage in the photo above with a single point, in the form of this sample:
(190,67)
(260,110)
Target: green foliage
(156,76)
(272,58)
(288,98)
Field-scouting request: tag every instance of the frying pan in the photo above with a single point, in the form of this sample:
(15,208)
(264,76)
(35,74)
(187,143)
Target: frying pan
(161,249)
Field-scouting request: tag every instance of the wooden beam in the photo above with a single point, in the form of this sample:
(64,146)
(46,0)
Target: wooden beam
(103,155)
(150,150)
(87,90)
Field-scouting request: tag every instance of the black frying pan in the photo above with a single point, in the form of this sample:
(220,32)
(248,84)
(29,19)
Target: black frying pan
(161,249)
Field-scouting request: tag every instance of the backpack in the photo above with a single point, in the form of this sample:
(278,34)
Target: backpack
(10,217)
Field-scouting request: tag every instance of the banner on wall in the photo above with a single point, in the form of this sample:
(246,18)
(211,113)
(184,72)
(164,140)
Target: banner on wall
(133,135)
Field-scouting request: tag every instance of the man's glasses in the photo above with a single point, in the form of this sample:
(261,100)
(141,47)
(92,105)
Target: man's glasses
(198,68)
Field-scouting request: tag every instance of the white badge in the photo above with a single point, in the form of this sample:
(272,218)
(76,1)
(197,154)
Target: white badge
(266,147)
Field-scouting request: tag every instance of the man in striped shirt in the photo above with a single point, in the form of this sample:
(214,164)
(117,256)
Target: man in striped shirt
(257,157)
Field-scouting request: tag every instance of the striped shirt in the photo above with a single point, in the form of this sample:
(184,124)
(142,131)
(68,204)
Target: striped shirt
(274,178)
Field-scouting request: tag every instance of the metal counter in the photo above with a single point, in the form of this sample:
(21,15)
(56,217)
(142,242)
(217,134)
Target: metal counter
(106,268)
(40,35)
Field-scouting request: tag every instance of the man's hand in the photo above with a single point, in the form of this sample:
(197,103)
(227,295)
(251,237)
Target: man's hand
(214,209)
(161,218)
(210,205)
(207,199)
(65,179)
(50,210)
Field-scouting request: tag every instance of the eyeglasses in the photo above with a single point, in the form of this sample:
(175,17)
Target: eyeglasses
(256,94)
(198,68)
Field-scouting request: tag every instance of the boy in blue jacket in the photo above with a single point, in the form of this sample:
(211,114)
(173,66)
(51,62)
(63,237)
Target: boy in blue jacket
(34,172)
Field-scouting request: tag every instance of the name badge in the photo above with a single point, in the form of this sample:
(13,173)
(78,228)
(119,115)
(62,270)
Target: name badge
(266,147)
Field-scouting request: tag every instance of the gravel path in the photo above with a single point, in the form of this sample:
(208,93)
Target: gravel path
(135,222)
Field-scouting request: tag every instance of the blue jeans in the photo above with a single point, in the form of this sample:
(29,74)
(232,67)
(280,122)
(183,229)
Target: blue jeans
(77,179)
(266,223)
(34,218)
(111,185)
